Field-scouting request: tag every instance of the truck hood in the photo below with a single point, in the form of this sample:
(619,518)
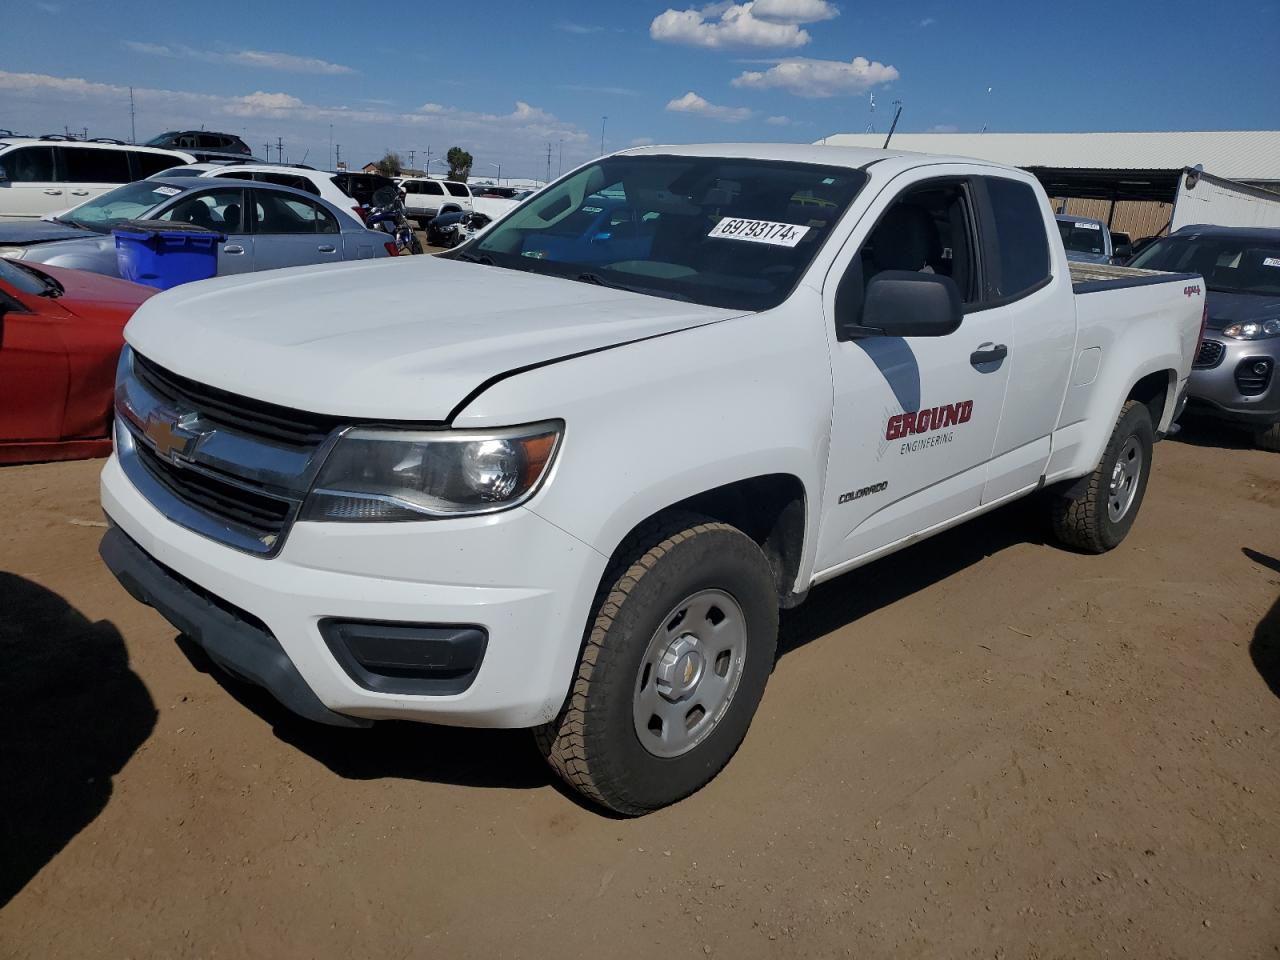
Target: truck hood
(22,232)
(1228,308)
(398,339)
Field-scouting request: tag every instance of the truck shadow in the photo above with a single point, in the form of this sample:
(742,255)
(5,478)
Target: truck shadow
(74,714)
(509,759)
(1264,649)
(397,749)
(851,597)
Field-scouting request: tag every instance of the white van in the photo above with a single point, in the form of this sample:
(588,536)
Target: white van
(39,176)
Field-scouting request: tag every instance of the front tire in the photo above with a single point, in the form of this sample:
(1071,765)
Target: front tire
(1096,512)
(673,669)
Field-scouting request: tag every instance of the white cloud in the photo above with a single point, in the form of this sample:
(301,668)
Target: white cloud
(778,121)
(943,128)
(794,11)
(569,26)
(263,59)
(513,138)
(692,103)
(609,91)
(806,77)
(725,25)
(641,141)
(928,21)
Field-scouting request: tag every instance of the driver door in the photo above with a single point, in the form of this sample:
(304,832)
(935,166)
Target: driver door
(915,418)
(222,209)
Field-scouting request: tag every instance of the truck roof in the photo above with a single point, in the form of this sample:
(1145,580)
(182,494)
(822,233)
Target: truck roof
(853,157)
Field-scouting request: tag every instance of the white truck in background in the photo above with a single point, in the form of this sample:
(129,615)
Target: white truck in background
(426,198)
(576,498)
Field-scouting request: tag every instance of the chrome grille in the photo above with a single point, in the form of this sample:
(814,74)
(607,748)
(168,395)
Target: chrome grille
(264,515)
(254,418)
(230,468)
(1209,354)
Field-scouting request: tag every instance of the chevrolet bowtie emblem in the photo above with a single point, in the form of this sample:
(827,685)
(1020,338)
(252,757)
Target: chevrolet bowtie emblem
(173,434)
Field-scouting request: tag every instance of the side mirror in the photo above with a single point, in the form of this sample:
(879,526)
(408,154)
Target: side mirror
(1123,252)
(905,303)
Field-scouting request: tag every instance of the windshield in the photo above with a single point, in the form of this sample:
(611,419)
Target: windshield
(130,202)
(717,231)
(25,279)
(1228,264)
(162,140)
(1082,236)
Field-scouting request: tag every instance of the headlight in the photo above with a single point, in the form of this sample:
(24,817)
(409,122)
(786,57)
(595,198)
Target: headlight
(1253,330)
(401,475)
(12,253)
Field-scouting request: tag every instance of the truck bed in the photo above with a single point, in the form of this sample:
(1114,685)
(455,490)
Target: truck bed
(1093,277)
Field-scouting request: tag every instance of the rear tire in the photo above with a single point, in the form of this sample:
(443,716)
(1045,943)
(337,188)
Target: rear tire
(630,736)
(1269,439)
(1096,512)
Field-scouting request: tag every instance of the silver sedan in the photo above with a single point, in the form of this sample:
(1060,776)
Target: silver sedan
(266,226)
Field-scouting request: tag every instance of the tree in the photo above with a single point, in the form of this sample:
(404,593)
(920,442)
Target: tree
(459,163)
(389,165)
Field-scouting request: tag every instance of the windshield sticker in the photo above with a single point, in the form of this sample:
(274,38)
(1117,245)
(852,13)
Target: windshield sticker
(1271,261)
(166,191)
(759,231)
(1080,225)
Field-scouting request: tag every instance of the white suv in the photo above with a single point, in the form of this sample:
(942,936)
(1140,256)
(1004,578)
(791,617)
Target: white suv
(45,175)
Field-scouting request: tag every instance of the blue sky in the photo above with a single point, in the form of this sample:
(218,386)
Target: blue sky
(505,78)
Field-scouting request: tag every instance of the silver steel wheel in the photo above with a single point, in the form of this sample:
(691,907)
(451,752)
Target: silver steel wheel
(689,673)
(1124,480)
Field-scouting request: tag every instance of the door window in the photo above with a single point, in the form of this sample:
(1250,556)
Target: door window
(216,209)
(1022,261)
(282,214)
(29,164)
(433,187)
(457,189)
(86,165)
(288,180)
(928,229)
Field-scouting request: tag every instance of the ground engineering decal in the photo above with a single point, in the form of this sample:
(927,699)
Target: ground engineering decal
(931,421)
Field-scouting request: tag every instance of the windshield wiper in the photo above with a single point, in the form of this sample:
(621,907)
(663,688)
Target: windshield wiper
(599,281)
(474,258)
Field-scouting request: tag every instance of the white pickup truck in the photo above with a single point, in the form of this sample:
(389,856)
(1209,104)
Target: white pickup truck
(576,499)
(426,198)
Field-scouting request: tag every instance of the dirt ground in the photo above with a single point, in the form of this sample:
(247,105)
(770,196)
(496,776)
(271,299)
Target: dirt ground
(983,747)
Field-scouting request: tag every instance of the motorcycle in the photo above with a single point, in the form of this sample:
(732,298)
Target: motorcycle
(386,213)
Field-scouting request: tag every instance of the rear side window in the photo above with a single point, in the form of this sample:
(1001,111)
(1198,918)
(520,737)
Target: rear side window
(29,164)
(1020,237)
(288,180)
(148,164)
(85,165)
(433,187)
(457,189)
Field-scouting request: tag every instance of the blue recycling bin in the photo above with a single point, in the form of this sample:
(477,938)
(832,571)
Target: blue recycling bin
(163,254)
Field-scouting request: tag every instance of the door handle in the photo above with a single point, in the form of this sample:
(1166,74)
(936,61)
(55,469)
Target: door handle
(52,192)
(79,193)
(988,353)
(326,248)
(233,248)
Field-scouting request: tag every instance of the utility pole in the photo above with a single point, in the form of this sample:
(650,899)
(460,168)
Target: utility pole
(548,161)
(337,157)
(411,155)
(603,121)
(133,133)
(267,148)
(279,149)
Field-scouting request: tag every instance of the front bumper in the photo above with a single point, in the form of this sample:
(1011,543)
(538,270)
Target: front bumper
(525,581)
(1213,391)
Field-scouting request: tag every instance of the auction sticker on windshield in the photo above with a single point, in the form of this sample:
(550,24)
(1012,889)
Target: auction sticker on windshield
(759,231)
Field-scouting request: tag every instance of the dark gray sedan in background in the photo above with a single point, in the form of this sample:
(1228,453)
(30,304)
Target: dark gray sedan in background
(1233,377)
(266,226)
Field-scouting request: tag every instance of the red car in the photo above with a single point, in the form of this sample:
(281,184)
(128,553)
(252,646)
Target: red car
(60,337)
